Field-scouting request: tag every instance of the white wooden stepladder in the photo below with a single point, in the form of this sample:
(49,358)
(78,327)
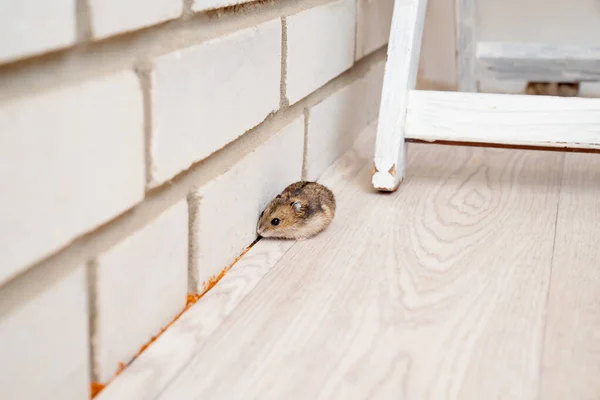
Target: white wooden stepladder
(470,117)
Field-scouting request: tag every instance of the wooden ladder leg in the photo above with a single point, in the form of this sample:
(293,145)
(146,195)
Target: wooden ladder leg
(401,69)
(465,18)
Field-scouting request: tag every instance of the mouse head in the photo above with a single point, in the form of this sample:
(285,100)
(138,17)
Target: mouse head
(280,218)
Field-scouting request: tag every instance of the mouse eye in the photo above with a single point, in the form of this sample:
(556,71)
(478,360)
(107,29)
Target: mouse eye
(275,221)
(278,196)
(262,213)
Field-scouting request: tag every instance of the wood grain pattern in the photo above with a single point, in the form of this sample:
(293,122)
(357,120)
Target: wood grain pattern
(537,62)
(465,15)
(504,119)
(161,362)
(400,77)
(571,363)
(151,373)
(436,291)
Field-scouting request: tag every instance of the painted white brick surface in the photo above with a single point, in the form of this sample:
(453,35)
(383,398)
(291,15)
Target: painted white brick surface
(44,341)
(229,206)
(374,18)
(72,159)
(30,27)
(320,44)
(333,126)
(110,17)
(206,96)
(141,285)
(202,5)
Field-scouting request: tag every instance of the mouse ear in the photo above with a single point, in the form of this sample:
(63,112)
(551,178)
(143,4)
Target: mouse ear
(296,205)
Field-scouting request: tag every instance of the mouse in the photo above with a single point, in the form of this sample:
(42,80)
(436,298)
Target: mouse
(301,211)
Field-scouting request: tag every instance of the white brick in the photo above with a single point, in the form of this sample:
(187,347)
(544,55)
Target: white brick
(320,44)
(30,27)
(203,5)
(110,17)
(141,285)
(333,126)
(206,96)
(374,86)
(374,18)
(72,159)
(335,123)
(229,206)
(44,351)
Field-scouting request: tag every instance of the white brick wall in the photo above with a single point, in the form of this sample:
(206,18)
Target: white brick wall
(373,21)
(72,158)
(76,137)
(333,126)
(202,5)
(44,341)
(110,17)
(229,206)
(320,44)
(206,96)
(141,285)
(30,27)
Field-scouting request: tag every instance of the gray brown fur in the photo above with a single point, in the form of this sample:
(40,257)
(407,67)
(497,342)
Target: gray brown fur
(303,209)
(561,89)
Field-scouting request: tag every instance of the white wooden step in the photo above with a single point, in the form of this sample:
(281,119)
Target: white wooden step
(537,62)
(542,121)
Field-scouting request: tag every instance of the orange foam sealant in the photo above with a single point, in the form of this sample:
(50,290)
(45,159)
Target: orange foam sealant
(97,387)
(213,280)
(192,298)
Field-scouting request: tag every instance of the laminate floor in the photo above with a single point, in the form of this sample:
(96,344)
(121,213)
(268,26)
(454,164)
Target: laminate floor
(477,279)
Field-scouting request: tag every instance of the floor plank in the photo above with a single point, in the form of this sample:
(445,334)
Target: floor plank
(437,291)
(148,375)
(571,362)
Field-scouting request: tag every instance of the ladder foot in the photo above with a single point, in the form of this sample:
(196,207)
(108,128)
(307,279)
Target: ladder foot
(386,181)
